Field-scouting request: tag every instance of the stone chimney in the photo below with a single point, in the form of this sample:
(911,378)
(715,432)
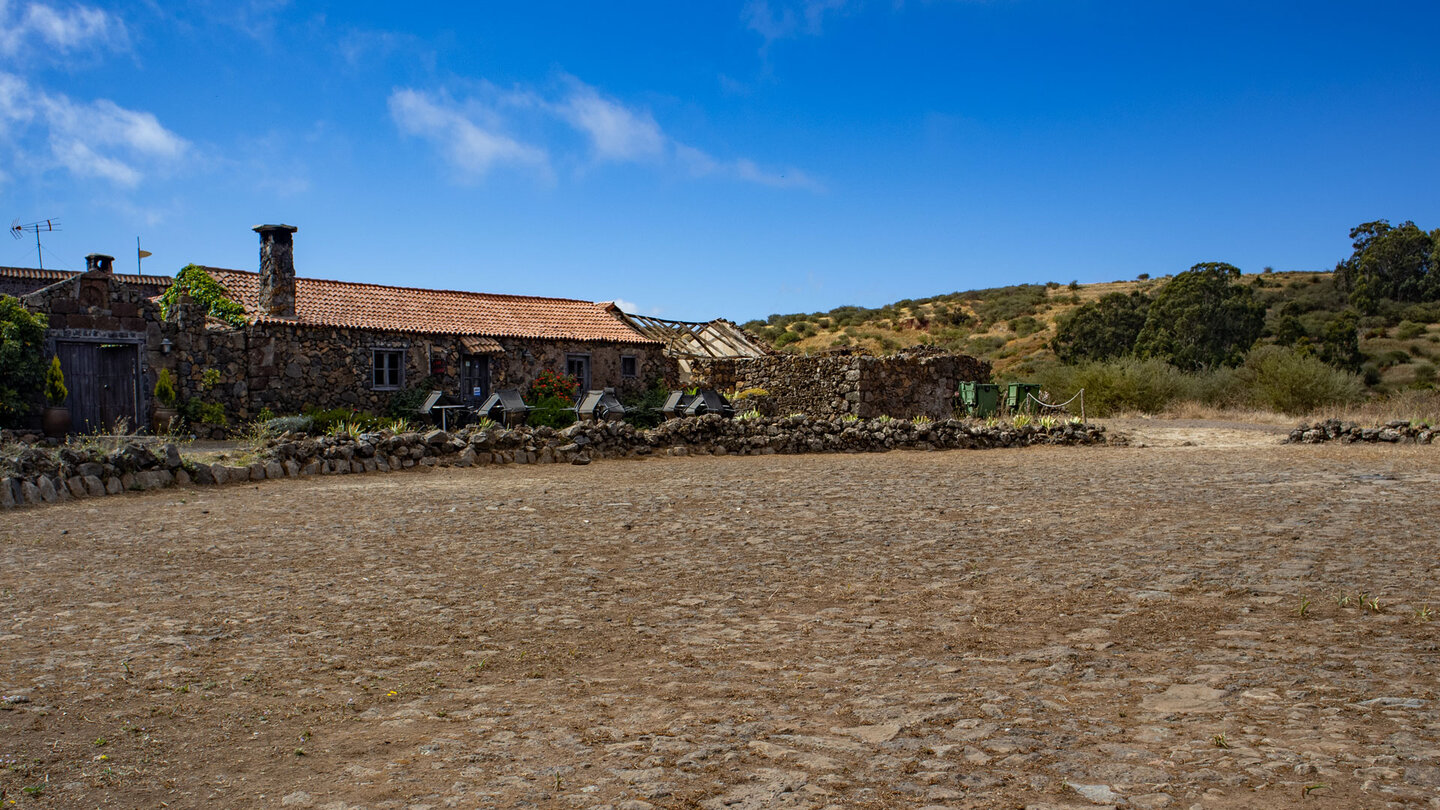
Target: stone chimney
(100,263)
(277,269)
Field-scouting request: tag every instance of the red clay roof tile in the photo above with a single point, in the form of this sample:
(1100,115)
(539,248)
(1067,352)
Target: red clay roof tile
(319,302)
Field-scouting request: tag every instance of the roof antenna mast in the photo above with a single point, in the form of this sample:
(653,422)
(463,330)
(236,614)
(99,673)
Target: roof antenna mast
(43,226)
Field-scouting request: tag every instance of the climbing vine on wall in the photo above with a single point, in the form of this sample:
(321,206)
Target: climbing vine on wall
(204,290)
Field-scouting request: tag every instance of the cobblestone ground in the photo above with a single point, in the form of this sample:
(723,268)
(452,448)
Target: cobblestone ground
(1161,626)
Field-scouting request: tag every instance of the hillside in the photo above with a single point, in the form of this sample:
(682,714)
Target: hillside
(1012,326)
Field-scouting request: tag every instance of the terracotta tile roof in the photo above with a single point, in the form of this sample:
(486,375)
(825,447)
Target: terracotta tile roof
(48,277)
(407,309)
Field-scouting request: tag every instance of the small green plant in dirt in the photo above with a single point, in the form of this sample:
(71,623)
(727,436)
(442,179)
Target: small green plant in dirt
(850,417)
(1221,741)
(922,421)
(1048,421)
(1304,607)
(747,415)
(1020,420)
(484,423)
(400,425)
(1424,613)
(348,429)
(55,390)
(884,418)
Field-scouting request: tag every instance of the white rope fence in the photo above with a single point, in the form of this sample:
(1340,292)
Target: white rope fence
(1080,395)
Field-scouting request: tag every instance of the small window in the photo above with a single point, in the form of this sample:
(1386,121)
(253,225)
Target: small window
(628,366)
(388,369)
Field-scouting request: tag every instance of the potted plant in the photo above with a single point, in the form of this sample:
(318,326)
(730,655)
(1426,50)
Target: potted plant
(56,420)
(165,401)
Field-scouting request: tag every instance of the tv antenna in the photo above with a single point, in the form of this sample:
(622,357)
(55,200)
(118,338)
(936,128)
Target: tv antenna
(43,226)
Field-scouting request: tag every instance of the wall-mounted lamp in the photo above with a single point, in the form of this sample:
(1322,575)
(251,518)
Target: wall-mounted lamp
(165,346)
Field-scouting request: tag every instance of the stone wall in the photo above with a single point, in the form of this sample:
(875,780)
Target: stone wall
(906,385)
(288,368)
(95,307)
(37,475)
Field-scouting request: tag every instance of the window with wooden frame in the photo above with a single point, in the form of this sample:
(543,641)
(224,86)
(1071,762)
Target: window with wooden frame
(629,366)
(387,368)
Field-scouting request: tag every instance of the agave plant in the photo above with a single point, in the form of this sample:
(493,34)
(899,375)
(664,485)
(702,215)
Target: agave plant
(750,414)
(922,421)
(1048,421)
(1020,420)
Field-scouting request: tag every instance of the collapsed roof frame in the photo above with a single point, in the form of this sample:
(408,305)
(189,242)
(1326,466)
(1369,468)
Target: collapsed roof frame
(695,339)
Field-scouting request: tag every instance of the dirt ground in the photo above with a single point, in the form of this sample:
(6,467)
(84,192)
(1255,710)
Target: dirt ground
(1209,620)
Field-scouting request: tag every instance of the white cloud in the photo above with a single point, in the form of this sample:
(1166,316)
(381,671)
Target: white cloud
(466,144)
(792,19)
(53,31)
(616,132)
(95,139)
(470,135)
(626,306)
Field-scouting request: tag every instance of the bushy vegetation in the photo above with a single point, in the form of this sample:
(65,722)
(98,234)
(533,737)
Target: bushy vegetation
(22,363)
(1271,377)
(204,290)
(642,409)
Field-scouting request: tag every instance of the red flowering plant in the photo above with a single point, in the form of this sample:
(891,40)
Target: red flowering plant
(550,384)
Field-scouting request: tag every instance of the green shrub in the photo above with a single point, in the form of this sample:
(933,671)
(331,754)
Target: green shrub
(1025,325)
(407,402)
(555,412)
(289,424)
(1409,330)
(204,290)
(1287,381)
(550,384)
(165,389)
(22,362)
(1126,384)
(324,421)
(1425,375)
(197,412)
(642,409)
(55,390)
(785,339)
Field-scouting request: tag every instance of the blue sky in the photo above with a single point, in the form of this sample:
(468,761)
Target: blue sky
(703,159)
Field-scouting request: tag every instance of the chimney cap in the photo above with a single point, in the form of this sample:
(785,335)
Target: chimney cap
(98,257)
(270,228)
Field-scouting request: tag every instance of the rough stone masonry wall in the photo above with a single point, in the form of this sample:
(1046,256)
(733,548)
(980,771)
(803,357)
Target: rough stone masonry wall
(288,368)
(35,475)
(95,307)
(902,386)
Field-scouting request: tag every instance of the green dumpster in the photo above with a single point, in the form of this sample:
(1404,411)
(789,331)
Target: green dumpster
(1018,397)
(980,399)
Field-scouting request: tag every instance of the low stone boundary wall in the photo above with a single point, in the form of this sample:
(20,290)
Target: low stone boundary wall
(40,476)
(1334,430)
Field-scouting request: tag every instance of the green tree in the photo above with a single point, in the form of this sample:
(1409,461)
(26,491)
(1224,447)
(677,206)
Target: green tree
(1101,330)
(1340,342)
(1202,318)
(1390,262)
(22,359)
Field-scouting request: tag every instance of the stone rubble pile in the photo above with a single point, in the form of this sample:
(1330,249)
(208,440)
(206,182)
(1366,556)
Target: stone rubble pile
(1398,431)
(35,475)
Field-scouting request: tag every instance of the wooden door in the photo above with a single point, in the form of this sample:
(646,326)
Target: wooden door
(103,379)
(119,386)
(80,363)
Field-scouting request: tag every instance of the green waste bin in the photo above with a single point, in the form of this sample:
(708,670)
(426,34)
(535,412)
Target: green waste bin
(980,399)
(1017,397)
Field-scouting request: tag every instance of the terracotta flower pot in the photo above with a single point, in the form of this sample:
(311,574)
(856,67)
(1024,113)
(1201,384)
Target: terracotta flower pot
(56,421)
(162,419)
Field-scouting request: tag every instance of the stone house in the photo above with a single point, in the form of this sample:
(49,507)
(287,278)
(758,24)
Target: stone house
(317,343)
